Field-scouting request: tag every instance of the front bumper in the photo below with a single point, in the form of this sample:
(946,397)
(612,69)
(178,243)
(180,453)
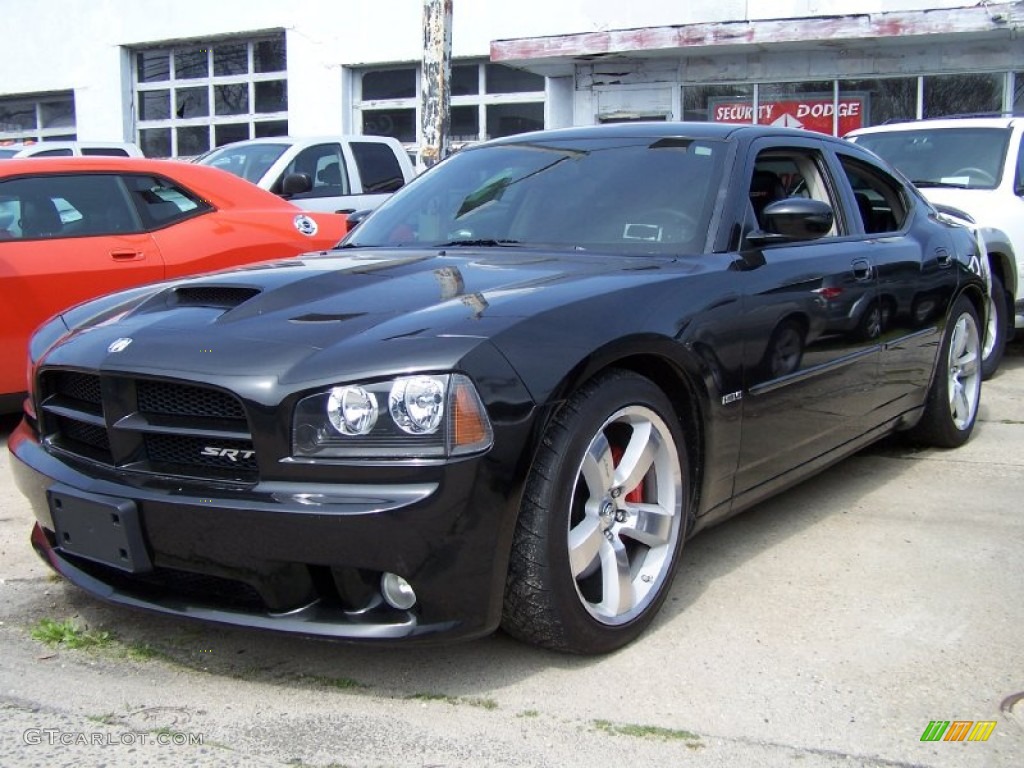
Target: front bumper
(293,557)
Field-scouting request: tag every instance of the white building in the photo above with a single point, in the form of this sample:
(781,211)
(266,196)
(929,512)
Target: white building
(182,77)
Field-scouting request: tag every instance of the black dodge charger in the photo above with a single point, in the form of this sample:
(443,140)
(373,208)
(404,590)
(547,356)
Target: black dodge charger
(510,395)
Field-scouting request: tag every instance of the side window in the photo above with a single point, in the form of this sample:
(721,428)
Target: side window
(378,167)
(324,166)
(1018,184)
(782,173)
(52,153)
(105,151)
(161,202)
(881,200)
(64,206)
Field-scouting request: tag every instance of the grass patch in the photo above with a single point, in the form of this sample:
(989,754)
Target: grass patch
(145,652)
(341,683)
(108,719)
(647,732)
(528,713)
(68,635)
(477,701)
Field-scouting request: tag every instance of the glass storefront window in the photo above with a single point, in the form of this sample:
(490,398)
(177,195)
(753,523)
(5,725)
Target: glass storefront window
(190,64)
(155,142)
(271,95)
(465,124)
(398,123)
(181,90)
(502,79)
(192,102)
(510,119)
(882,100)
(719,103)
(390,84)
(193,140)
(1018,93)
(965,94)
(152,66)
(465,80)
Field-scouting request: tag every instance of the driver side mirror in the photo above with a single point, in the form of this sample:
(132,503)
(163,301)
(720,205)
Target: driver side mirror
(296,184)
(794,219)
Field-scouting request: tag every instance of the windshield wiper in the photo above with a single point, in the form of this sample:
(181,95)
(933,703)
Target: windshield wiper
(934,183)
(483,242)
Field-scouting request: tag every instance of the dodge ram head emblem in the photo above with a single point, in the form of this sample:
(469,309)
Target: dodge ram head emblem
(119,345)
(305,225)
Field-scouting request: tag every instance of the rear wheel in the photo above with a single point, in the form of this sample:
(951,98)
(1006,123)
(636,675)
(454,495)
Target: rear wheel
(603,520)
(952,405)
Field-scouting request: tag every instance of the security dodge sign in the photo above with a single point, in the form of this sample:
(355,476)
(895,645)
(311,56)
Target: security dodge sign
(815,113)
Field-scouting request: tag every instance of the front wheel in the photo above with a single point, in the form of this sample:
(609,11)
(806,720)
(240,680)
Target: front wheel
(952,405)
(603,520)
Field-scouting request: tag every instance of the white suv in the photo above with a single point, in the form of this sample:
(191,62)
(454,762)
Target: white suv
(976,165)
(70,148)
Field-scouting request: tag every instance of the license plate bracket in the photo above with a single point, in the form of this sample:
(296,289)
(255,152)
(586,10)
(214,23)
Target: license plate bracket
(104,529)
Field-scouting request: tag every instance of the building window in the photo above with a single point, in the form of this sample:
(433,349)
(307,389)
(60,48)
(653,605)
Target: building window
(840,106)
(965,94)
(193,97)
(487,101)
(37,117)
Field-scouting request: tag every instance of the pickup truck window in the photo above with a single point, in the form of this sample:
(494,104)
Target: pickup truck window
(378,167)
(325,167)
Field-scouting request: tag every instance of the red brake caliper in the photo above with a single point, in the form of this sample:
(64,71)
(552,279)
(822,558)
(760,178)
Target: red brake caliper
(635,496)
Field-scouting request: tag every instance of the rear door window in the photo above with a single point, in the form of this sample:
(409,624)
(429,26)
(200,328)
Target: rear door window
(160,202)
(378,167)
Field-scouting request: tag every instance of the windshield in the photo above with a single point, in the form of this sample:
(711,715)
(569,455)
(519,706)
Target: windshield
(8,152)
(971,158)
(627,195)
(250,161)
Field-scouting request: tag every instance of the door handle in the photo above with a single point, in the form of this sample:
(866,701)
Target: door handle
(127,255)
(861,269)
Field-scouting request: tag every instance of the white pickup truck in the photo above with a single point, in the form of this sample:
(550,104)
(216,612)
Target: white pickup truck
(976,165)
(339,174)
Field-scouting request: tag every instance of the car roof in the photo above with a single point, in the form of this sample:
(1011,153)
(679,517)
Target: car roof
(222,189)
(662,129)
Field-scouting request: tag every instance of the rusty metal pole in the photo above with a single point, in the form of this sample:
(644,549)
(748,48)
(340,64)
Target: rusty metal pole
(435,87)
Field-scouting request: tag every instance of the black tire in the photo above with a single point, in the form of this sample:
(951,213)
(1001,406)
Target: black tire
(997,328)
(951,409)
(571,601)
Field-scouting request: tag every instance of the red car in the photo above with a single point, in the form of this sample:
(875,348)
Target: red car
(75,228)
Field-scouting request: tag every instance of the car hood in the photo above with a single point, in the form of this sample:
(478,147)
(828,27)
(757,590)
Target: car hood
(362,313)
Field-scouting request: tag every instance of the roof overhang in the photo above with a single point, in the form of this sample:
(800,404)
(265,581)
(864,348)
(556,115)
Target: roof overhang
(558,54)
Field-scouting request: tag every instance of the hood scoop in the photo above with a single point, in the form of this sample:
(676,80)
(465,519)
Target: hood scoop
(213,296)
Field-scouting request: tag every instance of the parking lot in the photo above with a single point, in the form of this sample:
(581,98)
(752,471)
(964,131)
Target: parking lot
(828,626)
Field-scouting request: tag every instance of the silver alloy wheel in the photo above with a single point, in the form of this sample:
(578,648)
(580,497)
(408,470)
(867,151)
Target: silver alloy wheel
(626,515)
(964,370)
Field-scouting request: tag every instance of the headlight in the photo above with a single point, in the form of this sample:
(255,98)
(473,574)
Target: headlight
(425,416)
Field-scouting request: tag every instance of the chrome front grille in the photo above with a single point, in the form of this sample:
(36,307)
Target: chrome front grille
(157,426)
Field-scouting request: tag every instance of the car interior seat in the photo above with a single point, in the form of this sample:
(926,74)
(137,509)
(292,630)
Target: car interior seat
(867,212)
(765,187)
(329,175)
(39,217)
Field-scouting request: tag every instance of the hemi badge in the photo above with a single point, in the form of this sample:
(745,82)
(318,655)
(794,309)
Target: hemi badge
(732,397)
(119,345)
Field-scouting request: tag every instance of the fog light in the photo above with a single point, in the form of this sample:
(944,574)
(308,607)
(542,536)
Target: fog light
(397,591)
